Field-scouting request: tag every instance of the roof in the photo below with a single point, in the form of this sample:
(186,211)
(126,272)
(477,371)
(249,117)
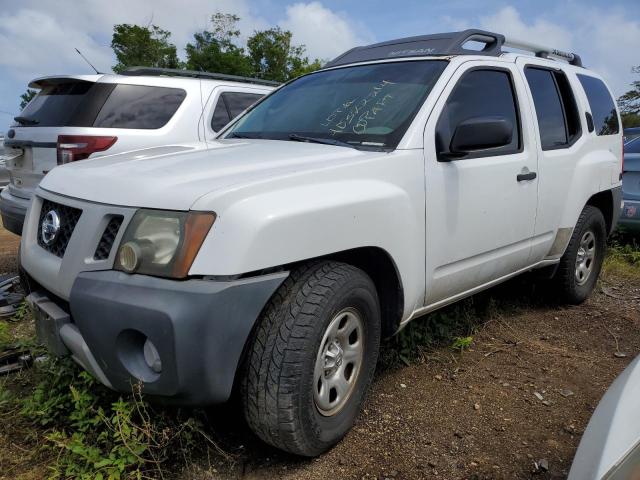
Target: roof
(467,42)
(176,72)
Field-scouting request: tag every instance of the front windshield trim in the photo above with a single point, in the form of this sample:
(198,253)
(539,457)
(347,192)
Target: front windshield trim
(365,144)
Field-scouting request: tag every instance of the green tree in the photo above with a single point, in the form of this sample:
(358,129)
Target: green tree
(215,50)
(26,97)
(144,46)
(274,58)
(630,103)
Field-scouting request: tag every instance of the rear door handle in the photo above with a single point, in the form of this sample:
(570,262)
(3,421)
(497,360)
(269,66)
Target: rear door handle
(524,177)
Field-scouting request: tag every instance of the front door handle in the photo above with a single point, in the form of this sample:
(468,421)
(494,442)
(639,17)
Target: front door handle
(524,177)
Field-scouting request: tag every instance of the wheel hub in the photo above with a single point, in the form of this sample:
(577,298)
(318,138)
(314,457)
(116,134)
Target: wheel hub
(338,361)
(332,358)
(585,257)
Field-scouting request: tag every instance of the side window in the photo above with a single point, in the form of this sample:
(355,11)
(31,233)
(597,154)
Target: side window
(139,106)
(480,93)
(220,115)
(556,108)
(603,109)
(239,102)
(230,105)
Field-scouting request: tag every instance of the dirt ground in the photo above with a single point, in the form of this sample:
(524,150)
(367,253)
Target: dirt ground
(523,392)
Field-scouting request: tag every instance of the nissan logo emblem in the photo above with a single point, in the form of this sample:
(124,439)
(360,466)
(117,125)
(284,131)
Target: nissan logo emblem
(50,227)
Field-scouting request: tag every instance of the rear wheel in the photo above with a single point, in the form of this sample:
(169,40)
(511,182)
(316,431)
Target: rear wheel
(312,358)
(580,265)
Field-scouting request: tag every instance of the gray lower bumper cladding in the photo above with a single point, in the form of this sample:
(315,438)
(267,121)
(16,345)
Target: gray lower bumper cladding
(182,340)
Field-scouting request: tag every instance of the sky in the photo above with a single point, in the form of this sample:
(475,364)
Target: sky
(38,37)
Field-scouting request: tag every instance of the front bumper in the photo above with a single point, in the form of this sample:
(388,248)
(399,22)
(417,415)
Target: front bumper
(630,216)
(198,327)
(13,210)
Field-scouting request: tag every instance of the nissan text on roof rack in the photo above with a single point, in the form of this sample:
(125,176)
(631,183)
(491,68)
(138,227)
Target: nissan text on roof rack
(75,117)
(400,178)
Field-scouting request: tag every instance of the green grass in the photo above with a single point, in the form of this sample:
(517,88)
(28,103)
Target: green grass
(623,257)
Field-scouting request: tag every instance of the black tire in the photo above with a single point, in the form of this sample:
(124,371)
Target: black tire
(277,387)
(569,288)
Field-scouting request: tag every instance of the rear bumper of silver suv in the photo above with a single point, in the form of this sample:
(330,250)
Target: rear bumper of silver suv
(13,210)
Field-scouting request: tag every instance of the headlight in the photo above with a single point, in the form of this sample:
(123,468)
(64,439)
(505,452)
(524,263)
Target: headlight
(163,243)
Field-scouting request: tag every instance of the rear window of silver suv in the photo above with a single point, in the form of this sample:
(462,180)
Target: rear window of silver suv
(87,104)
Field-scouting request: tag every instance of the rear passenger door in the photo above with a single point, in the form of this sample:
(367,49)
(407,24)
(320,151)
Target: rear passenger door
(560,144)
(480,207)
(228,105)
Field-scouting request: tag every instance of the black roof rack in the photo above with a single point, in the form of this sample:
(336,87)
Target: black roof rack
(442,44)
(176,72)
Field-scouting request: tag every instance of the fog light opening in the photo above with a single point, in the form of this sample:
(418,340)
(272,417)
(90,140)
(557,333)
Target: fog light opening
(152,357)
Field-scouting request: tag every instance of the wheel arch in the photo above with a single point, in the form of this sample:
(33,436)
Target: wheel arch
(604,201)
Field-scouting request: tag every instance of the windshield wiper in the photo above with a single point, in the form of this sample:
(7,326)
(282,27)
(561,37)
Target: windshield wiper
(240,135)
(325,141)
(26,120)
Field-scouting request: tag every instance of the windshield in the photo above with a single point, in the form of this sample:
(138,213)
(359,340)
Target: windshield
(365,105)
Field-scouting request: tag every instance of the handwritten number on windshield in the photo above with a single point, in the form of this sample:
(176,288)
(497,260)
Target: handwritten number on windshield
(356,114)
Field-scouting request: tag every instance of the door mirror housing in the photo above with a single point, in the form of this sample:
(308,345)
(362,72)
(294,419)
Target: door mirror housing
(479,133)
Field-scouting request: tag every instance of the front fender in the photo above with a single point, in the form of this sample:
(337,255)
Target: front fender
(295,223)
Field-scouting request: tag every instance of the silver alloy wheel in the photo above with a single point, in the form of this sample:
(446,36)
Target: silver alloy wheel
(338,362)
(585,258)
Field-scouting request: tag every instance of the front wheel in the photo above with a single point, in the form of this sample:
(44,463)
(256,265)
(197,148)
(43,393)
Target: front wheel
(312,358)
(580,265)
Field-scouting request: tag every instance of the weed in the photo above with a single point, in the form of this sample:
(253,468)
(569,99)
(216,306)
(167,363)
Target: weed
(99,434)
(462,343)
(5,335)
(622,258)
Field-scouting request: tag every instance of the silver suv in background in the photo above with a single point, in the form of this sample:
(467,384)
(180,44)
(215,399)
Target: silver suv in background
(75,117)
(4,173)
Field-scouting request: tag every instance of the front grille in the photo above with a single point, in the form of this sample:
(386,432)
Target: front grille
(68,216)
(108,237)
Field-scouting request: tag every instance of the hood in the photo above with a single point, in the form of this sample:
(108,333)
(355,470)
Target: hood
(174,177)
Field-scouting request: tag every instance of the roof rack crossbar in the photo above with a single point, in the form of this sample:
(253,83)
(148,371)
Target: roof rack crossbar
(444,44)
(176,72)
(543,51)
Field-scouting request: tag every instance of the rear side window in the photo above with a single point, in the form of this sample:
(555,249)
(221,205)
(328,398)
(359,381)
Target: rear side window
(556,108)
(480,93)
(55,105)
(104,105)
(230,105)
(603,109)
(139,106)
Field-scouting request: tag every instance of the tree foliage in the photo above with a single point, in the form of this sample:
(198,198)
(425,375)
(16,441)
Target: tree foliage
(26,97)
(269,54)
(273,57)
(216,51)
(630,103)
(148,46)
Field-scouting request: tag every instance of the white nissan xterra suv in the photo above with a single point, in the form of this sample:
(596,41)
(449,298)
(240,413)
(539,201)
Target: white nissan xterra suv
(401,177)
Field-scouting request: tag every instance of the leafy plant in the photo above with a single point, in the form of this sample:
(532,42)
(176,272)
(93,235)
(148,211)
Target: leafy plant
(99,434)
(462,343)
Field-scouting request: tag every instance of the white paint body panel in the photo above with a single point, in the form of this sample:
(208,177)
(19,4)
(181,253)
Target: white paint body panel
(451,229)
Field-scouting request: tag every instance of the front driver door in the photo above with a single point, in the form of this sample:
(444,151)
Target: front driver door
(481,207)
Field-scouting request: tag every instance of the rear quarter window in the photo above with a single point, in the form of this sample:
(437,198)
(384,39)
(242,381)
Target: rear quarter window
(56,105)
(230,105)
(139,106)
(603,108)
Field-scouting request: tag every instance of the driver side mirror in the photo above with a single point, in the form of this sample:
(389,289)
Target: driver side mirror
(478,133)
